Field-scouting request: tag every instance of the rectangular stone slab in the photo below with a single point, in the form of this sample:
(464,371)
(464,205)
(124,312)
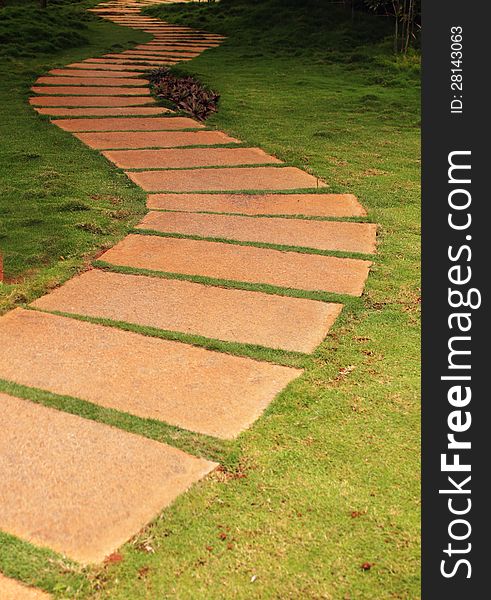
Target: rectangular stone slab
(230,179)
(213,312)
(151,63)
(164,30)
(155,54)
(188,34)
(90,101)
(96,73)
(179,41)
(85,90)
(188,157)
(107,66)
(181,47)
(148,139)
(94,81)
(115,111)
(10,589)
(241,263)
(170,38)
(80,487)
(203,391)
(320,205)
(130,62)
(118,124)
(322,235)
(185,33)
(134,21)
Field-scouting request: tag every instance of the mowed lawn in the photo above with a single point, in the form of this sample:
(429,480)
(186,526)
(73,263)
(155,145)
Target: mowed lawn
(59,202)
(320,499)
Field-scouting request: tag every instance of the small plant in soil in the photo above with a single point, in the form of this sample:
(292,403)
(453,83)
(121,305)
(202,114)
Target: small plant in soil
(185,92)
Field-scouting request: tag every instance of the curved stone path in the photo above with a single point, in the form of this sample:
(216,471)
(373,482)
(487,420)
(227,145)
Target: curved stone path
(223,216)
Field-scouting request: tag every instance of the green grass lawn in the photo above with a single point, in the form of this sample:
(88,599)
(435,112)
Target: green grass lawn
(59,202)
(328,480)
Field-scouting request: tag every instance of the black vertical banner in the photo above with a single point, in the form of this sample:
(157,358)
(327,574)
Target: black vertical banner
(455,290)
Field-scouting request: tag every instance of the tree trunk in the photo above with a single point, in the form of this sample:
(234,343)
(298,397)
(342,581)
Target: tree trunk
(410,22)
(43,3)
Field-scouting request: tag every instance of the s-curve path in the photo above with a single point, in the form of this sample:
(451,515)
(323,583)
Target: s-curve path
(233,249)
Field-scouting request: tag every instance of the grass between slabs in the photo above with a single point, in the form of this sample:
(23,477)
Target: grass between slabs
(281,247)
(263,216)
(60,203)
(255,351)
(323,500)
(265,288)
(195,443)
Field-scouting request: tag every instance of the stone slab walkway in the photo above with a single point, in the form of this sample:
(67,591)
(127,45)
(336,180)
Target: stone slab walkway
(152,139)
(91,81)
(193,388)
(107,66)
(241,263)
(219,179)
(312,205)
(188,157)
(103,112)
(322,235)
(92,487)
(85,90)
(232,315)
(77,74)
(10,589)
(90,101)
(120,124)
(102,482)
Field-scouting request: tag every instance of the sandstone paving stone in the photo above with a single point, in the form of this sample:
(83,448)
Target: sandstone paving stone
(241,263)
(200,390)
(115,111)
(139,56)
(94,81)
(226,314)
(96,73)
(183,33)
(176,37)
(189,46)
(188,157)
(123,11)
(182,46)
(321,205)
(164,59)
(151,55)
(144,64)
(10,589)
(83,90)
(135,21)
(134,124)
(322,235)
(107,66)
(80,487)
(149,139)
(228,179)
(129,61)
(184,38)
(159,30)
(90,101)
(164,51)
